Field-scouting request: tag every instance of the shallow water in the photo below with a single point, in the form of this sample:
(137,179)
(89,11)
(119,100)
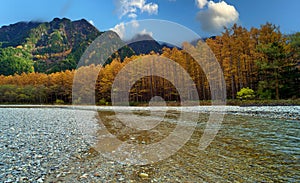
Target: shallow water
(246,148)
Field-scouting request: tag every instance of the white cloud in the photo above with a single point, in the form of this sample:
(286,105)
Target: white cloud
(216,16)
(201,3)
(134,23)
(91,22)
(120,30)
(150,8)
(132,15)
(131,8)
(127,30)
(145,32)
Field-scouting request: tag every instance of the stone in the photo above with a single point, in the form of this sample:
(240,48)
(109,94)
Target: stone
(143,175)
(84,176)
(40,180)
(97,175)
(8,181)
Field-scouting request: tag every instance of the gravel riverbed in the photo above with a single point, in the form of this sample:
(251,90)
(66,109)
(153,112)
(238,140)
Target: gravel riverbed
(50,144)
(36,142)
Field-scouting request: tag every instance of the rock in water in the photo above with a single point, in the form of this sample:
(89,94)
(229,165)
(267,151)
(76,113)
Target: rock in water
(143,175)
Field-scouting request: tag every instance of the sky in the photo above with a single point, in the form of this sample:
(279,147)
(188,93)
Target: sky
(203,17)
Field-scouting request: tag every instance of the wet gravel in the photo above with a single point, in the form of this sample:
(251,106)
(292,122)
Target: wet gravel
(274,112)
(37,142)
(55,145)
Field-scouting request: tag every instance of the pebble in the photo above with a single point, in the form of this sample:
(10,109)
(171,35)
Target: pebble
(40,180)
(24,178)
(8,181)
(143,175)
(97,175)
(84,176)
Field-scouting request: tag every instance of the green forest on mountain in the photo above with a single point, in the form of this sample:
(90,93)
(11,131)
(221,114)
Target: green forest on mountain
(261,59)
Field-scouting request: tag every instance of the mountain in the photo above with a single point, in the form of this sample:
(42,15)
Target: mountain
(144,44)
(15,34)
(55,46)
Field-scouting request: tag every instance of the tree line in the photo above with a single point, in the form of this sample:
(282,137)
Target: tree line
(37,88)
(262,59)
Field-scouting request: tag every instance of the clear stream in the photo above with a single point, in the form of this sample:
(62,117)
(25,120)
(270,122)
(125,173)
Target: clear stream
(47,145)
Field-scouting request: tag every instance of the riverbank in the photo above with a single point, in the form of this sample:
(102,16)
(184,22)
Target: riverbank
(290,102)
(229,102)
(289,112)
(235,102)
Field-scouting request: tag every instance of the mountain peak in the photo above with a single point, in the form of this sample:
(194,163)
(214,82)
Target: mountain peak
(141,37)
(144,44)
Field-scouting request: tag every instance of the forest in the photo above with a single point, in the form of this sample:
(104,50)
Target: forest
(262,59)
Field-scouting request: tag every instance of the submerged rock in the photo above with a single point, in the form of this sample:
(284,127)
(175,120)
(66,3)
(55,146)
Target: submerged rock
(143,175)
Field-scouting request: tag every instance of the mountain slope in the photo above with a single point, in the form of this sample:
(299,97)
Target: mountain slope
(144,44)
(15,34)
(55,46)
(59,44)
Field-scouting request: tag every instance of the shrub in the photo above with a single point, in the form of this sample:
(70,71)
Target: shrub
(246,93)
(266,94)
(58,101)
(102,102)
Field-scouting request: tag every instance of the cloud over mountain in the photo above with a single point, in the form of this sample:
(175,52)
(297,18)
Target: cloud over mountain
(127,31)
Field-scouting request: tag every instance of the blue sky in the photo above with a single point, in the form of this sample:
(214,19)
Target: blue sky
(198,15)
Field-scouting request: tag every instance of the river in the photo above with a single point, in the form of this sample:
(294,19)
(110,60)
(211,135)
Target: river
(50,144)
